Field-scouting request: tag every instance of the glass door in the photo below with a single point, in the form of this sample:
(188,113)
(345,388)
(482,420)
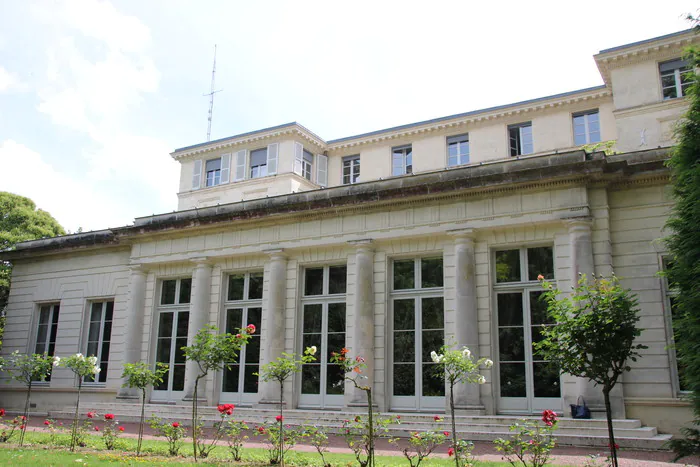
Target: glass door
(240,382)
(172,336)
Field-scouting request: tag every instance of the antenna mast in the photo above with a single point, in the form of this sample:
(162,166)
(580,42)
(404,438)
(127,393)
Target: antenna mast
(211,96)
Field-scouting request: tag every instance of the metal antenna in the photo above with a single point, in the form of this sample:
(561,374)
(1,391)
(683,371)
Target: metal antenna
(211,96)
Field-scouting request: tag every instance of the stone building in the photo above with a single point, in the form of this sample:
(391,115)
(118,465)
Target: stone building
(389,243)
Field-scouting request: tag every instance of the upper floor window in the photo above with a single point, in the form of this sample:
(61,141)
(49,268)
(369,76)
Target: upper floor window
(176,291)
(520,137)
(675,78)
(457,150)
(351,169)
(586,128)
(46,331)
(402,160)
(99,337)
(670,295)
(258,163)
(307,164)
(213,172)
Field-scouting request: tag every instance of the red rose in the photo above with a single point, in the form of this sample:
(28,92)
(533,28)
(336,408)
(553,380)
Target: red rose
(540,277)
(450,452)
(437,418)
(261,429)
(46,422)
(357,419)
(23,418)
(90,414)
(398,417)
(97,428)
(176,424)
(279,418)
(109,416)
(446,433)
(21,427)
(121,428)
(250,328)
(238,336)
(2,412)
(344,351)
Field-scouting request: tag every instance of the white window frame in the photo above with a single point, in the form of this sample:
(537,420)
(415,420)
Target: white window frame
(54,309)
(677,74)
(216,174)
(307,168)
(399,160)
(321,400)
(103,364)
(251,166)
(354,169)
(416,402)
(667,294)
(587,134)
(462,158)
(520,148)
(244,304)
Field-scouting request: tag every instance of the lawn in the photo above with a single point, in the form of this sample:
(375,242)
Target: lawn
(37,452)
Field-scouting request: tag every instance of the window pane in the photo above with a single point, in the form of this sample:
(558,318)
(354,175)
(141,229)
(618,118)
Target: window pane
(432,341)
(180,342)
(309,340)
(312,318)
(250,383)
(404,346)
(255,318)
(433,315)
(337,279)
(96,312)
(510,309)
(336,317)
(540,261)
(404,380)
(433,385)
(538,309)
(255,286)
(336,341)
(183,319)
(234,320)
(335,380)
(163,350)
(167,296)
(165,325)
(252,350)
(311,379)
(511,345)
(404,274)
(508,266)
(179,377)
(313,283)
(404,314)
(109,311)
(512,379)
(185,290)
(230,383)
(235,286)
(94,332)
(431,272)
(546,379)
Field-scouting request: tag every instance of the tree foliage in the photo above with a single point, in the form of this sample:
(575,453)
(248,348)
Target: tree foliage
(594,335)
(20,221)
(684,245)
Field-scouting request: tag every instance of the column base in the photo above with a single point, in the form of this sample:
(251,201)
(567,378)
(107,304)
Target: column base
(190,398)
(268,404)
(470,410)
(359,406)
(128,399)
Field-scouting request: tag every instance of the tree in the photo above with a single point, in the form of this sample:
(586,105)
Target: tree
(211,352)
(20,221)
(684,245)
(594,335)
(140,376)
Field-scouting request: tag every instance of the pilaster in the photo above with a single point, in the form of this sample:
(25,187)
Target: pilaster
(133,327)
(200,303)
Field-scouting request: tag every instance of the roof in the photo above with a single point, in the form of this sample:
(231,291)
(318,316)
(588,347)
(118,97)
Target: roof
(645,41)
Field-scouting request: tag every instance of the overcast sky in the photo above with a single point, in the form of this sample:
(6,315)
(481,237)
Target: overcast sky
(94,95)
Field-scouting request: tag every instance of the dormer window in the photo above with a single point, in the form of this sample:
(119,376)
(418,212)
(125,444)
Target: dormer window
(213,171)
(402,160)
(258,163)
(307,164)
(675,78)
(520,137)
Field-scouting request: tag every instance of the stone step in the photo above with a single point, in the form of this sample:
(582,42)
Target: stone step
(628,433)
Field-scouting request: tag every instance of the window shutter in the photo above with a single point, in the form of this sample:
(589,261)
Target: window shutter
(240,166)
(225,168)
(322,170)
(298,157)
(197,175)
(272,150)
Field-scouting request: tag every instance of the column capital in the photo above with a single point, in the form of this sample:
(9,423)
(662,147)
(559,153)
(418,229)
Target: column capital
(137,269)
(578,223)
(201,261)
(462,235)
(362,245)
(276,253)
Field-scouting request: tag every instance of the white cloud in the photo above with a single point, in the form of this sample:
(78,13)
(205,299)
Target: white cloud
(10,81)
(73,202)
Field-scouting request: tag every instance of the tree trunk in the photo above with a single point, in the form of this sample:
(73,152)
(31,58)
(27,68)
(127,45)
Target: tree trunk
(26,412)
(370,429)
(454,423)
(194,418)
(281,423)
(611,434)
(143,409)
(75,417)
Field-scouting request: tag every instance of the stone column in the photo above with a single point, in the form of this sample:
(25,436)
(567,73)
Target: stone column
(200,303)
(363,322)
(466,330)
(272,333)
(133,326)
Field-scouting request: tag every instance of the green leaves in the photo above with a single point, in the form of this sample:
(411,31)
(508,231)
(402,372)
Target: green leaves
(139,375)
(212,351)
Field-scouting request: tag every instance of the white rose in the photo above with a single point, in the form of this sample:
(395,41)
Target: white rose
(96,370)
(92,360)
(466,353)
(482,379)
(80,356)
(488,363)
(312,350)
(434,356)
(56,361)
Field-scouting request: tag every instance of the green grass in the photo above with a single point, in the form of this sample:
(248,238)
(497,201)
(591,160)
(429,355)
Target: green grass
(154,452)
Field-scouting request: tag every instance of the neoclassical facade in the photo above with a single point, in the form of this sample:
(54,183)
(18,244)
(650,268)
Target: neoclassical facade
(390,243)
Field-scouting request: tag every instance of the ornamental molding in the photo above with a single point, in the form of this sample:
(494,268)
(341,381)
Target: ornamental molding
(679,103)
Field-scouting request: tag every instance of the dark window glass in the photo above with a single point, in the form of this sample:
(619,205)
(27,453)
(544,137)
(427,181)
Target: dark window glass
(510,309)
(404,346)
(404,379)
(313,281)
(312,318)
(337,279)
(404,314)
(433,384)
(250,381)
(234,320)
(546,379)
(336,317)
(431,272)
(255,286)
(508,266)
(433,313)
(335,380)
(511,344)
(311,379)
(512,379)
(540,261)
(236,283)
(404,274)
(231,379)
(185,290)
(167,296)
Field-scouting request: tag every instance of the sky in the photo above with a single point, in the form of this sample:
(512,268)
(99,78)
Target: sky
(95,95)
